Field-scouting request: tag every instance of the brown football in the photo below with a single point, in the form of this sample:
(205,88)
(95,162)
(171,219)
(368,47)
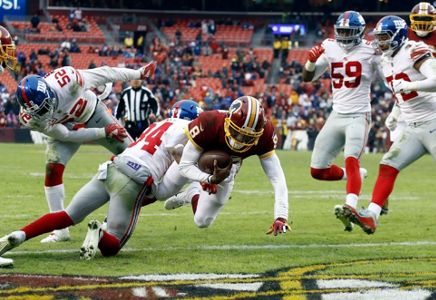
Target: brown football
(205,163)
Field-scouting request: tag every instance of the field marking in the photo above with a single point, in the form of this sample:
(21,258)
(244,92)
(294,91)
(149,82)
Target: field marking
(239,247)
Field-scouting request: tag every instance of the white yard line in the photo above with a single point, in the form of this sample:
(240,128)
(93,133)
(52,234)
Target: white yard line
(241,247)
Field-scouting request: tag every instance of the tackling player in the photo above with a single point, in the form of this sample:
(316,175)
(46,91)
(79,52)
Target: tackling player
(410,70)
(123,182)
(62,106)
(243,131)
(352,62)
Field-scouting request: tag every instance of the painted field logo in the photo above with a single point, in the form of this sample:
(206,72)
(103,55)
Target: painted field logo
(322,281)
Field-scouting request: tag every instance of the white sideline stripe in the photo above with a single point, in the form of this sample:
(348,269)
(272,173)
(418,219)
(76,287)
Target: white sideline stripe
(240,247)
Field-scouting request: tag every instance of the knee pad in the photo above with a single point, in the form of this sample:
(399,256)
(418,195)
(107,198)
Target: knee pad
(203,222)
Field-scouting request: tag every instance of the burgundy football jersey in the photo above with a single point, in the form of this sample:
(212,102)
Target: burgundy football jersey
(207,132)
(429,39)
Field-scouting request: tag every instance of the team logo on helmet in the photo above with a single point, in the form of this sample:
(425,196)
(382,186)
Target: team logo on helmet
(244,123)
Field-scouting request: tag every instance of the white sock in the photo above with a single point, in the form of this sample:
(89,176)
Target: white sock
(375,209)
(55,197)
(345,174)
(351,200)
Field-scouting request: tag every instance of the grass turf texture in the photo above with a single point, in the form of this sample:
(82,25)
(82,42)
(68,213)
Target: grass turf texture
(169,242)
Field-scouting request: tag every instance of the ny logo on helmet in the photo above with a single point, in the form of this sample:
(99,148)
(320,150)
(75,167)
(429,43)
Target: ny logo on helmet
(42,87)
(399,24)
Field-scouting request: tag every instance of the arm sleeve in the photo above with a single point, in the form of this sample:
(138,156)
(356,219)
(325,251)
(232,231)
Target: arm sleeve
(320,66)
(428,69)
(272,168)
(93,78)
(188,161)
(62,133)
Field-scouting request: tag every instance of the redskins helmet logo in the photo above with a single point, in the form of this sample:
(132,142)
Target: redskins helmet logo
(236,105)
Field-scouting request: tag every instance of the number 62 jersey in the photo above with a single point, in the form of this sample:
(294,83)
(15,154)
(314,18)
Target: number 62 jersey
(415,106)
(351,73)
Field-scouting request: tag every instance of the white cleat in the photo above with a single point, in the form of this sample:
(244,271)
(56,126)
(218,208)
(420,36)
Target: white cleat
(176,201)
(90,244)
(62,235)
(344,217)
(11,241)
(6,262)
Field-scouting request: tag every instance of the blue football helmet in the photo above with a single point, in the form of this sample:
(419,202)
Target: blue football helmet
(36,97)
(185,109)
(349,29)
(390,34)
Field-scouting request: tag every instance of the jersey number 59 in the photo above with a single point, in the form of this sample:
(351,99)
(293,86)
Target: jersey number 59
(353,70)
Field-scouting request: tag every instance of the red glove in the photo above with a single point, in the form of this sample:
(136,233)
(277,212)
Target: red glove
(115,131)
(148,70)
(315,53)
(280,225)
(211,188)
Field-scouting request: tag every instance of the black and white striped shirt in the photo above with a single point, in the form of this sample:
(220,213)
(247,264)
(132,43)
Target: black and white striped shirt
(137,104)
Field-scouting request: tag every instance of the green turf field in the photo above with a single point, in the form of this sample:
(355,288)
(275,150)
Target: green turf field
(316,258)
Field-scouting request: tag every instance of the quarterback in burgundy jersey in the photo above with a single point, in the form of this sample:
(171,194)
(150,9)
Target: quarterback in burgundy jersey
(243,131)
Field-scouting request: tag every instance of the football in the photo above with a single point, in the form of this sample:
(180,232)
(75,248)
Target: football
(205,163)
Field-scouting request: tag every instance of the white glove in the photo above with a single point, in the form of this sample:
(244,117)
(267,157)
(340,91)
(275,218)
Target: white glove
(392,119)
(402,86)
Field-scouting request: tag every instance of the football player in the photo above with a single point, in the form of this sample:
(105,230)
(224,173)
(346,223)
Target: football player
(410,70)
(62,106)
(8,57)
(123,182)
(243,131)
(352,62)
(422,25)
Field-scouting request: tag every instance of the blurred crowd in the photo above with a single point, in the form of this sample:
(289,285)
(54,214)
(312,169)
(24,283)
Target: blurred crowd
(297,115)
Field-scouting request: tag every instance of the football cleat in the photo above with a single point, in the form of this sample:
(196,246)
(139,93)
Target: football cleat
(344,217)
(11,241)
(6,262)
(90,244)
(62,235)
(366,219)
(176,201)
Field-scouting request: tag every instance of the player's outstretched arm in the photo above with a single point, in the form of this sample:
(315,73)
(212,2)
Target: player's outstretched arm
(273,169)
(62,133)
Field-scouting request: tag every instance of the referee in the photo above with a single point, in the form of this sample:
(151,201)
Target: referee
(138,108)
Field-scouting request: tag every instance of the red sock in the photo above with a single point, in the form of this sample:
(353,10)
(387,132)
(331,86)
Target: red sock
(332,173)
(48,223)
(194,202)
(53,174)
(354,182)
(384,184)
(109,245)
